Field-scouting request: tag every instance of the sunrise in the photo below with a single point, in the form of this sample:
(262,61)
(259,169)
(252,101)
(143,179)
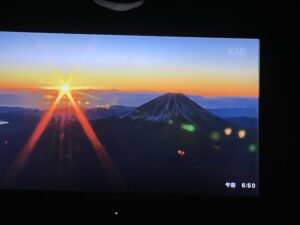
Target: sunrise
(117,113)
(127,64)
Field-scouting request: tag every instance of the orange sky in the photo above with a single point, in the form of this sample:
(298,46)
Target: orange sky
(187,82)
(200,66)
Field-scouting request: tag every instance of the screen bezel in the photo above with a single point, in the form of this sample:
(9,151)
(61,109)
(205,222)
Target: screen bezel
(148,201)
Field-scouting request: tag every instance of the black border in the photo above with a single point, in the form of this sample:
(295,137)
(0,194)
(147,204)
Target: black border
(271,207)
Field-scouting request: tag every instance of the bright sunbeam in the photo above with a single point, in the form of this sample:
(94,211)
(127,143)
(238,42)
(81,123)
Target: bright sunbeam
(97,145)
(27,150)
(65,88)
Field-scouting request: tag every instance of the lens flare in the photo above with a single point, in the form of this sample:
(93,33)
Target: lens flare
(252,148)
(215,136)
(227,131)
(188,127)
(181,152)
(27,150)
(98,147)
(170,121)
(65,88)
(242,134)
(65,95)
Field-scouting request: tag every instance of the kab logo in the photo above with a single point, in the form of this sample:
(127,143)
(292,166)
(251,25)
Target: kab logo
(237,51)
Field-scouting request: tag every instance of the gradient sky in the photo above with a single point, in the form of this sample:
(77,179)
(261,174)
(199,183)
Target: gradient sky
(200,66)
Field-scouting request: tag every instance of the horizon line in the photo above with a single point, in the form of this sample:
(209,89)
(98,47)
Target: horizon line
(29,89)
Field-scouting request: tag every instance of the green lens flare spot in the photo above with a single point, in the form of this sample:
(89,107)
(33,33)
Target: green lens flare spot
(170,121)
(216,147)
(188,127)
(252,148)
(215,136)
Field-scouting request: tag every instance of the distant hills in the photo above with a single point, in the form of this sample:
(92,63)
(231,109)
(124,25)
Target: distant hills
(19,110)
(101,113)
(169,144)
(158,109)
(244,122)
(235,112)
(135,99)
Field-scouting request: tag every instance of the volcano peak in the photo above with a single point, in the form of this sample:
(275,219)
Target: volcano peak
(175,106)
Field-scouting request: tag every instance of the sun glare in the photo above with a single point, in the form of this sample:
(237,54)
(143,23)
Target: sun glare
(99,149)
(65,88)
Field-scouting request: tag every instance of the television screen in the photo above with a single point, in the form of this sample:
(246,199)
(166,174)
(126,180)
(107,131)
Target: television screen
(129,114)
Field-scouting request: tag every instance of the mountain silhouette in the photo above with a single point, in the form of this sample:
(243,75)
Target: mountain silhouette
(169,144)
(174,107)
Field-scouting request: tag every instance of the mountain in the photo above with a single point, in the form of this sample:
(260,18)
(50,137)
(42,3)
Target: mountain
(19,111)
(101,113)
(172,139)
(4,109)
(244,122)
(174,107)
(19,120)
(152,154)
(235,112)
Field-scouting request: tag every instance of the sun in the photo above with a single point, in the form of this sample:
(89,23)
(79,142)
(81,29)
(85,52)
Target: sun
(65,88)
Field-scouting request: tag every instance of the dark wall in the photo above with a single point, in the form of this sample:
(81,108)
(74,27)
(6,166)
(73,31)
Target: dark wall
(274,24)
